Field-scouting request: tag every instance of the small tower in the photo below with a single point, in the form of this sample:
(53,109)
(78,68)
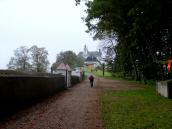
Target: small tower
(85,51)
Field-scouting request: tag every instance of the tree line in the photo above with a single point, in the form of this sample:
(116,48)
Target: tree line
(137,35)
(35,59)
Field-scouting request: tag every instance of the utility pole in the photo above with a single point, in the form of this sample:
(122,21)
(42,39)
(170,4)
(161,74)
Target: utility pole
(103,69)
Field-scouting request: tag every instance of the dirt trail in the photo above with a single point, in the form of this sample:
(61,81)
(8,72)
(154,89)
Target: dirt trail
(76,108)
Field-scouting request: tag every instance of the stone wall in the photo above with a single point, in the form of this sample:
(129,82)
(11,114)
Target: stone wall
(20,91)
(164,88)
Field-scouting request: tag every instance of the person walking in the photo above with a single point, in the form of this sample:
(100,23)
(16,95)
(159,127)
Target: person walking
(91,78)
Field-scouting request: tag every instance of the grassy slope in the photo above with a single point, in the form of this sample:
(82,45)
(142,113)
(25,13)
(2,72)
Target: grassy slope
(99,73)
(135,109)
(141,109)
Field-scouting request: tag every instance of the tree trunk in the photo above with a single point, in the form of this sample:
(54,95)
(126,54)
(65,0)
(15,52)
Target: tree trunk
(135,67)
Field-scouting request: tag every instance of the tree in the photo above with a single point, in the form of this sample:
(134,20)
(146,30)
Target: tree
(70,58)
(39,59)
(107,46)
(80,60)
(142,29)
(20,61)
(29,59)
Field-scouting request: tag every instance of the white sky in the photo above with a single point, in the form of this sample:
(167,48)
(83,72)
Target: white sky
(53,24)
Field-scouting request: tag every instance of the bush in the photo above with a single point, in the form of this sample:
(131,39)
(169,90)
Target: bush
(118,75)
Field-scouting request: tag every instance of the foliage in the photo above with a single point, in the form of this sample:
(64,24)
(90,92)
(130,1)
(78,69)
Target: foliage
(80,60)
(20,61)
(136,109)
(107,47)
(39,59)
(29,59)
(140,29)
(70,58)
(100,73)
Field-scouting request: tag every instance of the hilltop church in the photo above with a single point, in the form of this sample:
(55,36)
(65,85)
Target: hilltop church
(91,58)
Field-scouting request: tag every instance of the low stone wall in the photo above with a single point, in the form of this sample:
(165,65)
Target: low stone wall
(164,88)
(17,91)
(75,80)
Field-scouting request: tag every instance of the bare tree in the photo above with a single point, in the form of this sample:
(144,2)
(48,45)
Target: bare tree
(107,46)
(20,61)
(39,59)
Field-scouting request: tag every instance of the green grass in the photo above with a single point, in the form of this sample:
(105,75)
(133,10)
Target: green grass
(98,73)
(87,70)
(119,76)
(136,109)
(148,82)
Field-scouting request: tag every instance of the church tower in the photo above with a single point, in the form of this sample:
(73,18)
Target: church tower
(85,51)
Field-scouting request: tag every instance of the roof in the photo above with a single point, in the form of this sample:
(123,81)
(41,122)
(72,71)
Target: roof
(91,58)
(68,67)
(62,66)
(95,53)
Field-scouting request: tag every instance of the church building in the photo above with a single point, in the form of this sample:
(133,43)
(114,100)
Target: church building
(91,58)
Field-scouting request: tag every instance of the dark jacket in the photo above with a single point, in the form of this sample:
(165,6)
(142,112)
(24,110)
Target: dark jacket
(91,78)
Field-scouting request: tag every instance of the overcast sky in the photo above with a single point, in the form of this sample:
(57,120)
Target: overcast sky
(53,24)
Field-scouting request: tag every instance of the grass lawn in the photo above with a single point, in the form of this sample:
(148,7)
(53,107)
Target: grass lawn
(99,73)
(136,109)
